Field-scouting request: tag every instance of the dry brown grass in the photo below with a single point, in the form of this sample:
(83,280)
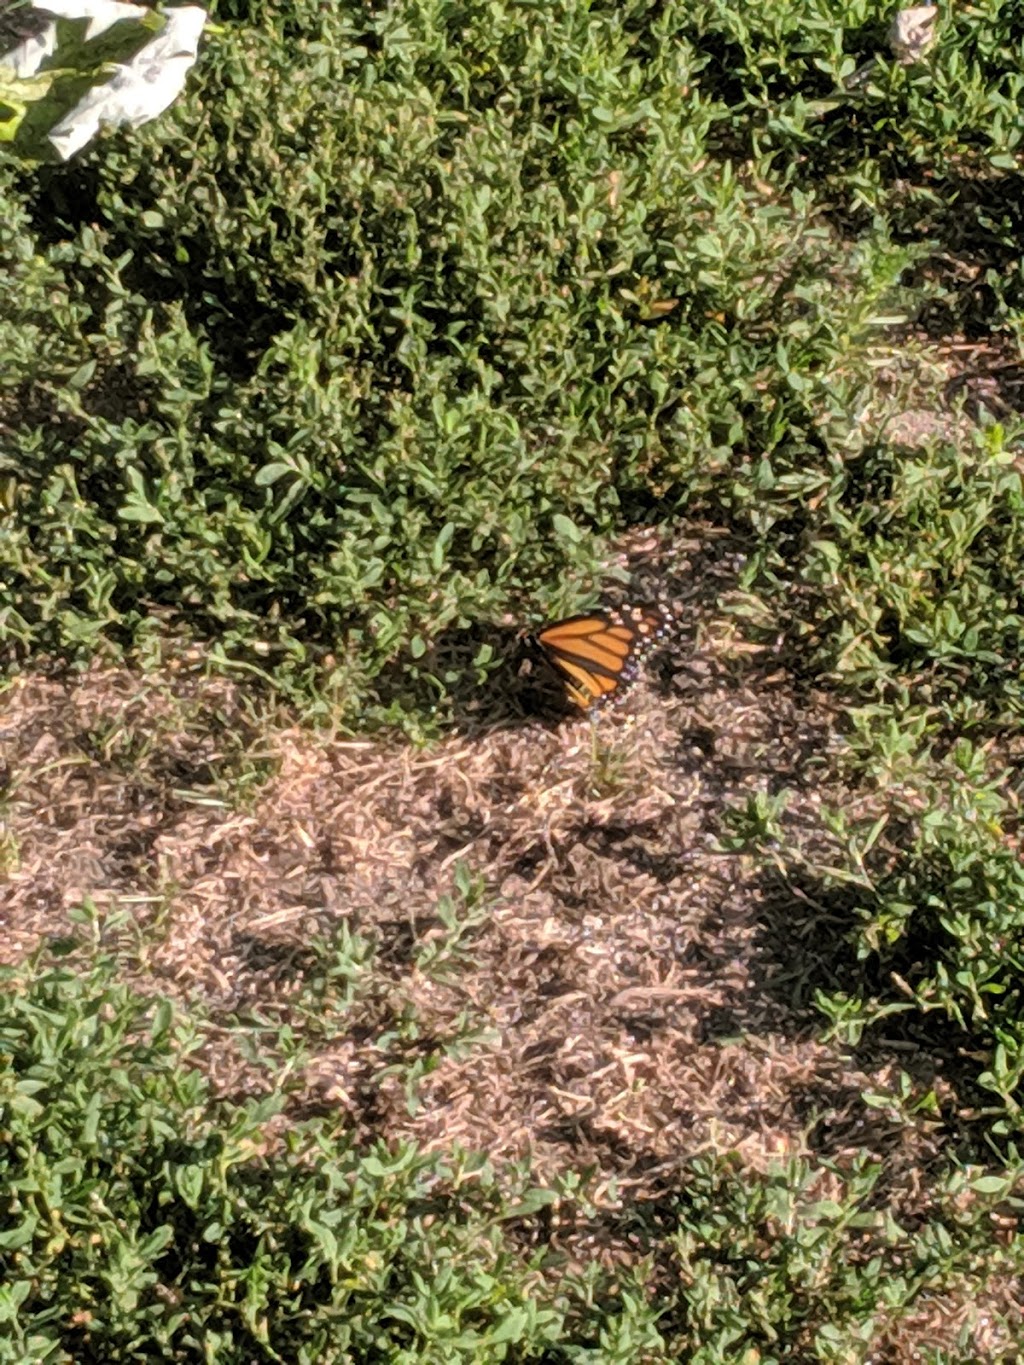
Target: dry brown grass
(638,996)
(622,968)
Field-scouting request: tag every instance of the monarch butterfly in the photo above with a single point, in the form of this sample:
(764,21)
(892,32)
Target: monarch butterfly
(597,652)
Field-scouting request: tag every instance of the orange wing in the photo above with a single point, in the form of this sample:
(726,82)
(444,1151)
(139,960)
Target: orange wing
(597,652)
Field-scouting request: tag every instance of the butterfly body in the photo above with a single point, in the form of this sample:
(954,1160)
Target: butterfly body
(597,652)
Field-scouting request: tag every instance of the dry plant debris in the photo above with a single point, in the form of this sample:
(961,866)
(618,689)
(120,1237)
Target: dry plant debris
(634,1013)
(631,996)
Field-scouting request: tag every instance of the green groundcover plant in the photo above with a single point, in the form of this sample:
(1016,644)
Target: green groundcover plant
(145,1218)
(370,342)
(932,893)
(360,357)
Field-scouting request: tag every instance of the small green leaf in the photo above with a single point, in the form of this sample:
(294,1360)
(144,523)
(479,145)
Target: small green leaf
(444,539)
(82,375)
(511,1327)
(270,473)
(567,529)
(992,1184)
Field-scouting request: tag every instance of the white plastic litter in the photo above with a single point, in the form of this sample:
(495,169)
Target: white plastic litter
(912,33)
(138,89)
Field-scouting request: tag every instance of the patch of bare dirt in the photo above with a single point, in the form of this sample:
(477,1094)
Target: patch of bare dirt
(949,1325)
(630,995)
(949,387)
(642,998)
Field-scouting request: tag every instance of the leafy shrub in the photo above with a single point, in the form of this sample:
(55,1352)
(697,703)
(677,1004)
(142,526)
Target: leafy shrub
(424,307)
(910,576)
(807,1263)
(427,307)
(142,1218)
(145,1218)
(932,889)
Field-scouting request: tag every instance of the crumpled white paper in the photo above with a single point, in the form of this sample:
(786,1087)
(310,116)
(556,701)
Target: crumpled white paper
(138,89)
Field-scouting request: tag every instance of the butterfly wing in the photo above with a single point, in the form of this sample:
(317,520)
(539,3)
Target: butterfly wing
(596,652)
